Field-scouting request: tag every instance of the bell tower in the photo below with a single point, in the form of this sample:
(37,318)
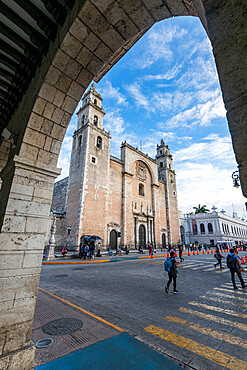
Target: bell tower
(89,172)
(168,176)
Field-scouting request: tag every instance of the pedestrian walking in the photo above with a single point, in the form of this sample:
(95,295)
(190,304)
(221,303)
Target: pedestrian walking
(219,258)
(180,251)
(171,267)
(234,265)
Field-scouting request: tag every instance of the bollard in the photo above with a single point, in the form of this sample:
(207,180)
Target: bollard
(168,255)
(152,254)
(203,252)
(245,258)
(207,251)
(242,260)
(197,252)
(212,251)
(193,253)
(188,252)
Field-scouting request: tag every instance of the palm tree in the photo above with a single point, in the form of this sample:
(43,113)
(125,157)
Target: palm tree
(201,209)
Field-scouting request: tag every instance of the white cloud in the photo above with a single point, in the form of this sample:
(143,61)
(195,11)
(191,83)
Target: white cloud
(201,114)
(110,92)
(140,99)
(120,132)
(64,157)
(172,73)
(207,184)
(157,47)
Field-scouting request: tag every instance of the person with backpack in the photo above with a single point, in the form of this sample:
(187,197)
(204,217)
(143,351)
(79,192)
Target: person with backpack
(218,257)
(233,263)
(170,266)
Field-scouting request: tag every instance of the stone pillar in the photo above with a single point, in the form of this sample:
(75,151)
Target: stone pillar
(25,219)
(51,244)
(226,22)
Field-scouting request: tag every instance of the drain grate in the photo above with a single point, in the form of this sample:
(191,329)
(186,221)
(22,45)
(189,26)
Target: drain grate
(62,326)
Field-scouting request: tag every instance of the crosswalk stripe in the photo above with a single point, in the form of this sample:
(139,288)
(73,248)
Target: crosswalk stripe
(209,269)
(211,354)
(220,300)
(231,290)
(198,268)
(229,296)
(207,331)
(218,309)
(222,271)
(188,266)
(220,320)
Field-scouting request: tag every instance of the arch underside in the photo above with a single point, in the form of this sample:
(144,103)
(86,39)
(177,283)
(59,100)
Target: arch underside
(94,36)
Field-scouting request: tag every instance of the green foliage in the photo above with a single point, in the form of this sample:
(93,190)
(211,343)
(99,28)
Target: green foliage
(201,209)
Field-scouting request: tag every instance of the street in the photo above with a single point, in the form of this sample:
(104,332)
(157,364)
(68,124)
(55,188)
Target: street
(201,327)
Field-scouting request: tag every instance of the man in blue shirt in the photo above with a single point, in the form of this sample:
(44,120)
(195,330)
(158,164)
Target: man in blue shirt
(172,274)
(233,263)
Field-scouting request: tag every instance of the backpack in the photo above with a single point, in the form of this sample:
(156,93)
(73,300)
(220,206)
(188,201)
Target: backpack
(231,262)
(168,264)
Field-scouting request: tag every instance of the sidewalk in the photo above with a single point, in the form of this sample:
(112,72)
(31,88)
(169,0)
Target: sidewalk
(82,340)
(104,259)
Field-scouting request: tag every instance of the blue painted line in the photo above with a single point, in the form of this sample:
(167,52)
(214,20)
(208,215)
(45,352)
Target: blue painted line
(122,352)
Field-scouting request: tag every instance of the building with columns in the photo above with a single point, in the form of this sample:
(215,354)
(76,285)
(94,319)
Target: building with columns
(128,201)
(212,227)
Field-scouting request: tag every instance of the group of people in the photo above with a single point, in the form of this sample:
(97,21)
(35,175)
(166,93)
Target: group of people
(232,260)
(87,250)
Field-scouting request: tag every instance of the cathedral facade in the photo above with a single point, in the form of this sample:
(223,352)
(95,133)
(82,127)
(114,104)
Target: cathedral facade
(131,201)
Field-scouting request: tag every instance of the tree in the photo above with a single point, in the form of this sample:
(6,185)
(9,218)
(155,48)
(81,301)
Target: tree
(201,209)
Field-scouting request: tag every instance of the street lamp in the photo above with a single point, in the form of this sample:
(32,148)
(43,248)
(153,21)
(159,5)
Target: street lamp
(236,179)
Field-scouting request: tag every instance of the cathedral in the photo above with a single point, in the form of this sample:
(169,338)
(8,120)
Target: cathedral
(129,201)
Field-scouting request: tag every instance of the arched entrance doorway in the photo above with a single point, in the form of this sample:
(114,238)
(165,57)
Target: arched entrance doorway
(163,240)
(142,236)
(113,240)
(182,234)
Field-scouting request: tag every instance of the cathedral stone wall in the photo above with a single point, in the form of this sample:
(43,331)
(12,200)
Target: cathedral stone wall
(114,216)
(123,201)
(60,195)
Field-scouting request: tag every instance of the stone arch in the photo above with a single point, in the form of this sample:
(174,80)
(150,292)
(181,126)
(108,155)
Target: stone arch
(43,115)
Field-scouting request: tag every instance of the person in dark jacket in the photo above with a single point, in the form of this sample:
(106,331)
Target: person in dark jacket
(219,258)
(172,274)
(234,265)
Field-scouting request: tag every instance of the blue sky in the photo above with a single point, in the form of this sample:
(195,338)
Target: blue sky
(166,87)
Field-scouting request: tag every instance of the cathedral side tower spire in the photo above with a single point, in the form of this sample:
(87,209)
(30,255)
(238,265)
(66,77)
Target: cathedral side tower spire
(168,175)
(89,170)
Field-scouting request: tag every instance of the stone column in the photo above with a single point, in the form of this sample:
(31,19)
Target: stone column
(51,244)
(226,23)
(25,219)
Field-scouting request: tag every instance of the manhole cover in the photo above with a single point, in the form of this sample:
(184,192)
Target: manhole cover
(62,326)
(61,275)
(45,342)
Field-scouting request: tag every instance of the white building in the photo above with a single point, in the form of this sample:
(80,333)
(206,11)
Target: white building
(211,227)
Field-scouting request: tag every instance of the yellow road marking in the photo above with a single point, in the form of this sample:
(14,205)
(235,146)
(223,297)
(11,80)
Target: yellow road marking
(218,309)
(230,291)
(207,331)
(81,309)
(220,300)
(211,354)
(220,320)
(73,262)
